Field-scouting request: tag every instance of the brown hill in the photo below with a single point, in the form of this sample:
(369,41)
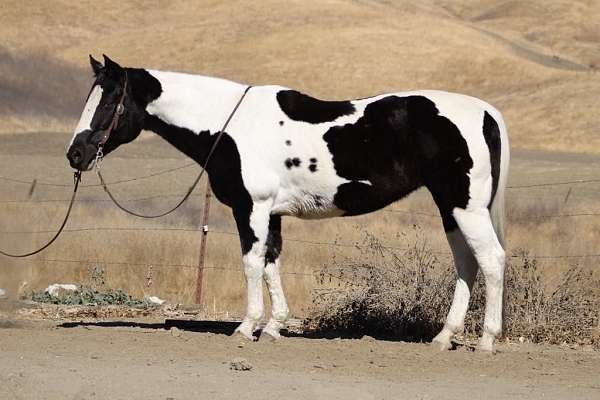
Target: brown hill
(536,61)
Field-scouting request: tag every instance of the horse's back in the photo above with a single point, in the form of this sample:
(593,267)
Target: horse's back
(352,157)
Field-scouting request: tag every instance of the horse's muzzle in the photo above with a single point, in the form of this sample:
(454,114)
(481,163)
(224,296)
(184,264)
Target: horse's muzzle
(82,152)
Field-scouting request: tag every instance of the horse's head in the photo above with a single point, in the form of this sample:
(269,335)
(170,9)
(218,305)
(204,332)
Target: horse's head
(111,116)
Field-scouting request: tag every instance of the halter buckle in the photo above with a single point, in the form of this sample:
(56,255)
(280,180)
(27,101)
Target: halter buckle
(120,109)
(98,159)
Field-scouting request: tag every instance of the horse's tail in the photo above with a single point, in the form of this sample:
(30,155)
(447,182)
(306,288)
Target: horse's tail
(497,210)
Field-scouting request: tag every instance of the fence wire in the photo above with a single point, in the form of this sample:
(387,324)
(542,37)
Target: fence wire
(195,230)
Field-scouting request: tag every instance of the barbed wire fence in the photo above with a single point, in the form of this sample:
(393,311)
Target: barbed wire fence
(201,266)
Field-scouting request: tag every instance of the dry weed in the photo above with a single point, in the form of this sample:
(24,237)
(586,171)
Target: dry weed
(391,294)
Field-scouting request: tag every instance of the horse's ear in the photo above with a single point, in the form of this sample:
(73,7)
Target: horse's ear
(112,68)
(96,65)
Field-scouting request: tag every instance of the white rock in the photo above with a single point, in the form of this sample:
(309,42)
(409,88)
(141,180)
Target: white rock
(155,300)
(2,293)
(54,289)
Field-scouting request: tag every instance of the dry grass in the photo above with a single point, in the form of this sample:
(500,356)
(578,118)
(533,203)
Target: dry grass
(40,91)
(536,61)
(157,258)
(406,295)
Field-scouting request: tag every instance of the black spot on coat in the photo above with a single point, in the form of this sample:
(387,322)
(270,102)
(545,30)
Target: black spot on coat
(292,162)
(300,107)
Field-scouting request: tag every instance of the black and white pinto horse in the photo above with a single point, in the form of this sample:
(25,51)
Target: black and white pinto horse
(286,153)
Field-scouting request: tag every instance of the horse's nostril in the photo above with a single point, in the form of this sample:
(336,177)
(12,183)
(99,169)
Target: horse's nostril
(76,156)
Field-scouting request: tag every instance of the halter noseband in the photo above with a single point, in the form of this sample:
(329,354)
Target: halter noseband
(119,110)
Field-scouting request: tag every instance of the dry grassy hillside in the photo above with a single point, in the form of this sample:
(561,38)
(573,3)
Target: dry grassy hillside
(536,61)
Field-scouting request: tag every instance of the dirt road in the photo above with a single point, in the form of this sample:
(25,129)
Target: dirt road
(43,360)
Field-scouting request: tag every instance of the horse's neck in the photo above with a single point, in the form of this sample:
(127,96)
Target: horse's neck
(190,110)
(194,102)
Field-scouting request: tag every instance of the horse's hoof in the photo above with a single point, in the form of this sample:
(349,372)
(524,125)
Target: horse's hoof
(441,345)
(443,340)
(243,335)
(486,344)
(272,334)
(244,331)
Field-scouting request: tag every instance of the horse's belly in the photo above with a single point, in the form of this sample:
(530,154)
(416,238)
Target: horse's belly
(307,204)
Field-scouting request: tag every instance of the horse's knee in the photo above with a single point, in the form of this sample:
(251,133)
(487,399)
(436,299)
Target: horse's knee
(253,266)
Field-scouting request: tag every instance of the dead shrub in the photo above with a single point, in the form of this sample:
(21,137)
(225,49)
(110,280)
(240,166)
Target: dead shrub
(383,293)
(406,295)
(567,313)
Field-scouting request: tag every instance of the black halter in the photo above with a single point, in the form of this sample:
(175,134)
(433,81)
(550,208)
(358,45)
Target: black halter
(119,111)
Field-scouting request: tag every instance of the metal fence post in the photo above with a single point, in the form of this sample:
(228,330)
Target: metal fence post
(203,244)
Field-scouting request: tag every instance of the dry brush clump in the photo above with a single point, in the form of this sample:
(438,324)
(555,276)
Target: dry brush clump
(406,294)
(567,312)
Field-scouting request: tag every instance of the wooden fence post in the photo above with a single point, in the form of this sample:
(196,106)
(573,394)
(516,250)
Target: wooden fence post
(203,244)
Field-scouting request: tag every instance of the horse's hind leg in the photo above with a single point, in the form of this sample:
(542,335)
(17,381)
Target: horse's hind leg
(478,231)
(466,270)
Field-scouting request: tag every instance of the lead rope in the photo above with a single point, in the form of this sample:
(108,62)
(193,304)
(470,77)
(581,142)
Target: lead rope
(76,180)
(190,190)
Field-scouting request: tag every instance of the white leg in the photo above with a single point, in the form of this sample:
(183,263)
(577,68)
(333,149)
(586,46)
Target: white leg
(253,269)
(466,269)
(478,231)
(279,308)
(253,231)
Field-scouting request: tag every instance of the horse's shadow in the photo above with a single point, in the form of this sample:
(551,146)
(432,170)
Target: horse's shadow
(228,328)
(200,326)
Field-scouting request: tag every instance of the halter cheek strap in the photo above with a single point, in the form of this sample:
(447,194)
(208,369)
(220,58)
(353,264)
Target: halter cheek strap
(119,110)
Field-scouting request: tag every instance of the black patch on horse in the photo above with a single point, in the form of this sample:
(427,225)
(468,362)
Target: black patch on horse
(300,107)
(147,87)
(224,170)
(399,145)
(313,165)
(274,241)
(491,133)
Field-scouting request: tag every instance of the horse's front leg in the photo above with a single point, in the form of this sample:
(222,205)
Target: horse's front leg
(279,308)
(253,228)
